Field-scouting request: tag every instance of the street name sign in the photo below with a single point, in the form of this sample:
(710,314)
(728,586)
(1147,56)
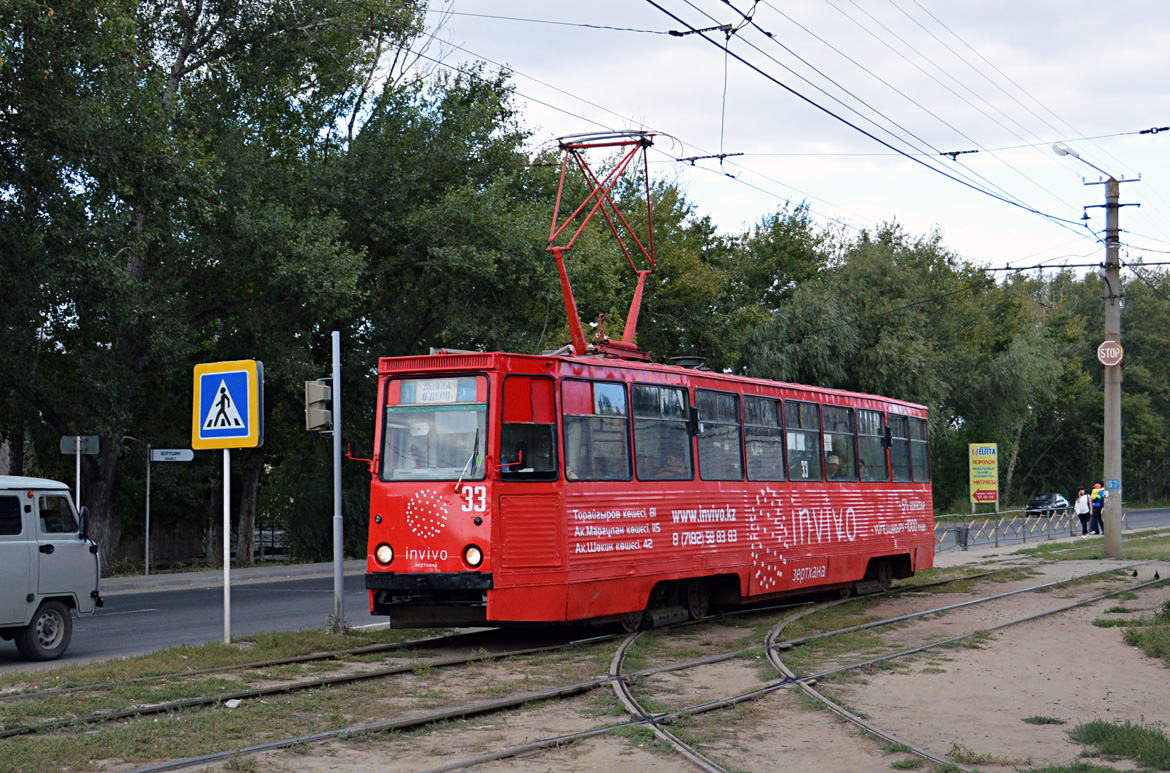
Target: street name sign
(171,454)
(69,443)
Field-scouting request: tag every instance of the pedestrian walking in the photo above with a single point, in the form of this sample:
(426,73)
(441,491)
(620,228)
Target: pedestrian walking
(1082,507)
(1097,502)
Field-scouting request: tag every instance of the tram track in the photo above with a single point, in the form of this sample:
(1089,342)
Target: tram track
(454,639)
(641,718)
(655,722)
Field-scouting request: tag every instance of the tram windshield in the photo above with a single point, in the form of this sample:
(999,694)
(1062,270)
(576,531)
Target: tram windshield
(435,429)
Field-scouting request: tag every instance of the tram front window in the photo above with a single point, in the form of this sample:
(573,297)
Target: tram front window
(423,440)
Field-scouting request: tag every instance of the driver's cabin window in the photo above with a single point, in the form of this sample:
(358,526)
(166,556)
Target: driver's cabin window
(528,447)
(57,515)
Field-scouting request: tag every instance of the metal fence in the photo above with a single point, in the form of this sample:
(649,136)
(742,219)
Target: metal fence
(1010,527)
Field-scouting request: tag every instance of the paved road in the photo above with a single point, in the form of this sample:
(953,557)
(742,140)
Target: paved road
(188,609)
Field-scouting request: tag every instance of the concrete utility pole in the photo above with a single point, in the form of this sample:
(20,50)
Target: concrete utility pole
(1111,513)
(1110,354)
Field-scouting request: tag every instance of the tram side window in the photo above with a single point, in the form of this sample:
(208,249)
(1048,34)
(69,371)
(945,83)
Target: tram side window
(840,459)
(597,433)
(662,442)
(802,423)
(763,433)
(900,448)
(528,436)
(720,457)
(919,451)
(871,445)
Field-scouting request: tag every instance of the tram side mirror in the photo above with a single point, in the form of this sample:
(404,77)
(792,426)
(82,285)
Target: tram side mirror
(83,530)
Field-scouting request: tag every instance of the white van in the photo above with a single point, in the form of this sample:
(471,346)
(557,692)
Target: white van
(48,566)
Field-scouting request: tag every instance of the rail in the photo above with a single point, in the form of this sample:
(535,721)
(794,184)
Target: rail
(1010,527)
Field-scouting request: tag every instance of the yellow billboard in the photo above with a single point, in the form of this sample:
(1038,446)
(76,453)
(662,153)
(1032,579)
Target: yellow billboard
(984,471)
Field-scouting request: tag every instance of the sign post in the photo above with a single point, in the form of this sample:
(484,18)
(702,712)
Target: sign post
(983,466)
(228,412)
(78,445)
(160,455)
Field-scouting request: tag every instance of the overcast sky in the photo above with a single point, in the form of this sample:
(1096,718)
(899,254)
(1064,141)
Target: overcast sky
(1006,79)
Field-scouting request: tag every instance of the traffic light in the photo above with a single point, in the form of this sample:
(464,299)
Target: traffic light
(318,399)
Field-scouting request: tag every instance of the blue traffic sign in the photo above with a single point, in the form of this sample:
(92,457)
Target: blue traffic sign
(228,405)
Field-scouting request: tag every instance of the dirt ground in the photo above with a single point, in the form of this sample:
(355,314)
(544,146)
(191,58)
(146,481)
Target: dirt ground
(969,701)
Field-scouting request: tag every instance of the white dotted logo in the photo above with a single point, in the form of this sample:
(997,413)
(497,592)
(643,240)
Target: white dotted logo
(426,513)
(768,534)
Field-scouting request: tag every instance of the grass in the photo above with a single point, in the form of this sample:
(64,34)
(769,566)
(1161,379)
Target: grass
(1038,720)
(1153,638)
(177,660)
(1145,745)
(193,732)
(1150,546)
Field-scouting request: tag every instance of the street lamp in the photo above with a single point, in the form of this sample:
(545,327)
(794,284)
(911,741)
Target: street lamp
(1110,272)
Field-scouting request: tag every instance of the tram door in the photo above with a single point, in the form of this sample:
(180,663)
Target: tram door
(530,507)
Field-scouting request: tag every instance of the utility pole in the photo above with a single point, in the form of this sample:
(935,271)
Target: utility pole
(1110,352)
(1111,512)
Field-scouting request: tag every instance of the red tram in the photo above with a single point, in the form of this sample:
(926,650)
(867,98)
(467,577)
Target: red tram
(591,485)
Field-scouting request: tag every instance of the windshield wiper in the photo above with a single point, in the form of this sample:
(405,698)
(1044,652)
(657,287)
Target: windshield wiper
(474,453)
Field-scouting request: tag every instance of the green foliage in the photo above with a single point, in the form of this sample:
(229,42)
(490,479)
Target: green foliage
(224,180)
(1145,745)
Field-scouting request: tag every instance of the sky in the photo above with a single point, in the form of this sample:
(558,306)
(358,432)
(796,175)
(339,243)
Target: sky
(921,78)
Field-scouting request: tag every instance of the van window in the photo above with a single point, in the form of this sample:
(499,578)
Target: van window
(10,520)
(57,515)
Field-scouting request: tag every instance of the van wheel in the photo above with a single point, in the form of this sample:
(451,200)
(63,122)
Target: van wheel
(47,636)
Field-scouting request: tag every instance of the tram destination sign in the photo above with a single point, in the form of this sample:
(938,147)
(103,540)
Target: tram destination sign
(1110,353)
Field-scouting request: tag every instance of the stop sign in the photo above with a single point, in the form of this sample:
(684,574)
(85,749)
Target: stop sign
(1109,353)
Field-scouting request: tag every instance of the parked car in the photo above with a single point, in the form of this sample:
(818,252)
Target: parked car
(49,568)
(1046,504)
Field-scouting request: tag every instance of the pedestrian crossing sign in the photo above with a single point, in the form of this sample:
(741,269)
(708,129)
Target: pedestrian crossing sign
(228,409)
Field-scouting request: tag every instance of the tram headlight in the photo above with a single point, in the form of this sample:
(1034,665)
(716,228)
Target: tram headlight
(472,555)
(384,554)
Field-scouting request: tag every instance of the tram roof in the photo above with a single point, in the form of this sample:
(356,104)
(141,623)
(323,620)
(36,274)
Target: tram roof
(445,361)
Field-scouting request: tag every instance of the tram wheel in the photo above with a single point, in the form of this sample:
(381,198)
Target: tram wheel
(846,591)
(885,573)
(698,598)
(632,622)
